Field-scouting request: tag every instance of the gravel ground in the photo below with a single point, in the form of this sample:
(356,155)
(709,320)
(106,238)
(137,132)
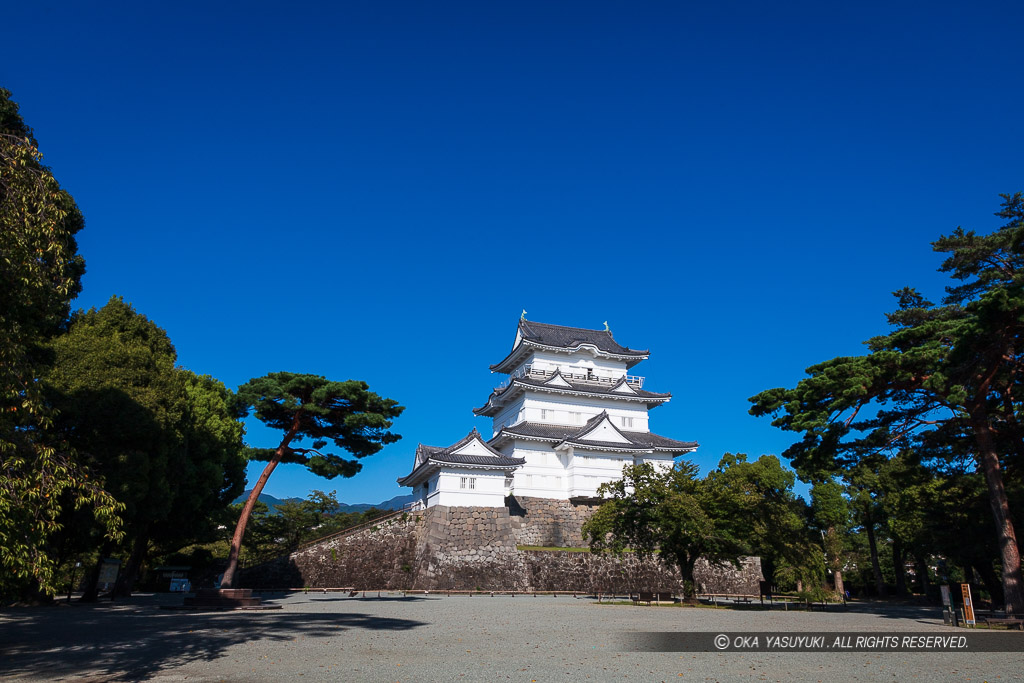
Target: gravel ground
(331,637)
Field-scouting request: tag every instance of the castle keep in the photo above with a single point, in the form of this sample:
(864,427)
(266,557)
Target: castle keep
(568,419)
(498,513)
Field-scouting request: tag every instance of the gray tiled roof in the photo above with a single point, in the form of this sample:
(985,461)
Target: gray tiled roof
(581,387)
(430,457)
(656,441)
(562,337)
(497,462)
(542,431)
(559,433)
(570,337)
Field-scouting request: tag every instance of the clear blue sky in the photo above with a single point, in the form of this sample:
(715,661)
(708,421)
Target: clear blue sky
(375,190)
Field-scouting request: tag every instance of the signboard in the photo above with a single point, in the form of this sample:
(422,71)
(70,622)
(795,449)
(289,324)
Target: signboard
(968,604)
(108,572)
(946,598)
(180,586)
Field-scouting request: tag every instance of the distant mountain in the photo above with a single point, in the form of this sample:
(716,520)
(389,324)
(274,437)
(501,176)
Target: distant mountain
(395,503)
(271,501)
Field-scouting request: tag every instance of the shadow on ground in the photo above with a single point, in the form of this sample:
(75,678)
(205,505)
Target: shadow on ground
(134,640)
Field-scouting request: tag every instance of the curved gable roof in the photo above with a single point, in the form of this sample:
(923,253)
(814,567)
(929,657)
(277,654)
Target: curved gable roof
(572,337)
(544,335)
(472,451)
(559,434)
(620,390)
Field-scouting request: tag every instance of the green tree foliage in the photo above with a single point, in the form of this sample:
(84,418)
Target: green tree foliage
(212,469)
(168,442)
(831,514)
(40,272)
(909,497)
(272,533)
(944,380)
(311,407)
(739,508)
(774,520)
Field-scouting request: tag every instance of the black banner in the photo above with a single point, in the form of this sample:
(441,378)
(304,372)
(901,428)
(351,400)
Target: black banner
(838,641)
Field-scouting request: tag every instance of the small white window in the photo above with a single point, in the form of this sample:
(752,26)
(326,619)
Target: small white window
(577,418)
(463,481)
(627,422)
(472,482)
(544,413)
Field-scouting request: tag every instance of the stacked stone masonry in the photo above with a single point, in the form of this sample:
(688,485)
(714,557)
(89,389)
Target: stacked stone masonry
(547,522)
(476,548)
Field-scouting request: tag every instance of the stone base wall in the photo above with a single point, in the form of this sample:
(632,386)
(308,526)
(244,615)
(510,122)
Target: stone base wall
(379,556)
(468,548)
(599,574)
(725,578)
(548,523)
(475,548)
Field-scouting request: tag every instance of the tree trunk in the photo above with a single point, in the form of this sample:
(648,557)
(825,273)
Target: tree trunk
(834,554)
(985,574)
(988,461)
(869,527)
(126,579)
(236,540)
(899,559)
(922,570)
(91,591)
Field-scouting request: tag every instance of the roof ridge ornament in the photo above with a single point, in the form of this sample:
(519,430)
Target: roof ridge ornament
(523,316)
(606,328)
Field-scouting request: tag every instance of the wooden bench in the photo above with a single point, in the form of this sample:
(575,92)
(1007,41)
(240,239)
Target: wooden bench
(650,596)
(1008,621)
(643,596)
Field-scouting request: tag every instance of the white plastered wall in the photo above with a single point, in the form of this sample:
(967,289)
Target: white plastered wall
(576,410)
(469,487)
(543,475)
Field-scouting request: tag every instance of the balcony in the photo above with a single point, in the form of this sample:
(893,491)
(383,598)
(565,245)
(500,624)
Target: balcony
(528,372)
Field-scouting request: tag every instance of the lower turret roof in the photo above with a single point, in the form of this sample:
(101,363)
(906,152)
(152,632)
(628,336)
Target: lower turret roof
(570,435)
(431,458)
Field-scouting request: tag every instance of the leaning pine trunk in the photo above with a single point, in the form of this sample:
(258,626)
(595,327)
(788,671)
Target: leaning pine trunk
(988,461)
(243,520)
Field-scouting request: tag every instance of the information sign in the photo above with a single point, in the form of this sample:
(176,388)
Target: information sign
(968,604)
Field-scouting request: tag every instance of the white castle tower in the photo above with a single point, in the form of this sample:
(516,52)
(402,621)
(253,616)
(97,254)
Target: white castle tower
(567,419)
